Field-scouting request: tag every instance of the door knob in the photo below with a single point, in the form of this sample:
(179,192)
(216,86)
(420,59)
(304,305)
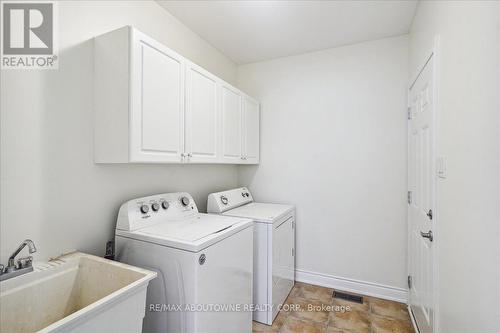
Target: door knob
(427,235)
(429,214)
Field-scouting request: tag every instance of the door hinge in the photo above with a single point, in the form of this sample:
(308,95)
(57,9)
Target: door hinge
(409,197)
(409,281)
(409,113)
(293,252)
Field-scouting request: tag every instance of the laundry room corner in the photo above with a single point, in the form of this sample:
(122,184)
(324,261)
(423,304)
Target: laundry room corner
(350,151)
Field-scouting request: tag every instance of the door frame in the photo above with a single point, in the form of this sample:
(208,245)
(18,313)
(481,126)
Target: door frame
(434,54)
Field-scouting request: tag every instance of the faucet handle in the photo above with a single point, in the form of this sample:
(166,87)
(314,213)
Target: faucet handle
(24,262)
(1,268)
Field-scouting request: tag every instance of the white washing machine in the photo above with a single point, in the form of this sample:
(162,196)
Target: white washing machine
(204,264)
(274,247)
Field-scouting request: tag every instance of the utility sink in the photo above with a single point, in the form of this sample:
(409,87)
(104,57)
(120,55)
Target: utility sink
(75,293)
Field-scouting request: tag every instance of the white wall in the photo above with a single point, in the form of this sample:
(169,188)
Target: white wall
(468,218)
(333,142)
(51,191)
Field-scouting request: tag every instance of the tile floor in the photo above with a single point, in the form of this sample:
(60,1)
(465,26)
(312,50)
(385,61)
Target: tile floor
(373,316)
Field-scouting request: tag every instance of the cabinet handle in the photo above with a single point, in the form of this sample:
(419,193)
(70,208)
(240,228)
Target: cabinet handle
(190,155)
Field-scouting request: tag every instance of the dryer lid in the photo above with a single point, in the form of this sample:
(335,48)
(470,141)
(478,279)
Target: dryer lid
(262,212)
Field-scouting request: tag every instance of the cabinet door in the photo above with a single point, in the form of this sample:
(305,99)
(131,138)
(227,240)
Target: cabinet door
(202,116)
(157,102)
(250,131)
(231,125)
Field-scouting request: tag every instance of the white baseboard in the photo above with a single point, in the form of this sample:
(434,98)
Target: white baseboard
(354,286)
(413,322)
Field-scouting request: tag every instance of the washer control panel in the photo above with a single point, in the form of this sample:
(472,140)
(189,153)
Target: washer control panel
(144,209)
(141,212)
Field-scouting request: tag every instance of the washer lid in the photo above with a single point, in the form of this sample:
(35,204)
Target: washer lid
(191,234)
(263,212)
(190,230)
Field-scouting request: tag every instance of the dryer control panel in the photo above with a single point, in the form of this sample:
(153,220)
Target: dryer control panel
(142,212)
(223,201)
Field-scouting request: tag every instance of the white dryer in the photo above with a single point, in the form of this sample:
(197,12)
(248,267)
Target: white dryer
(274,247)
(204,264)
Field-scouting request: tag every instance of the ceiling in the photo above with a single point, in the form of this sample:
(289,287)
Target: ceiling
(250,31)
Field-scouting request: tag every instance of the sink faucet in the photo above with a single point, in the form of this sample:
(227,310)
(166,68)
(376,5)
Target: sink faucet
(24,265)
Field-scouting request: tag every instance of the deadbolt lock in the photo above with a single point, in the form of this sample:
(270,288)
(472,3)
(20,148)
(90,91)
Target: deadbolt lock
(427,235)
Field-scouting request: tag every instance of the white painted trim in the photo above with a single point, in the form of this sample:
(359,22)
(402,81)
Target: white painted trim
(437,153)
(413,322)
(351,285)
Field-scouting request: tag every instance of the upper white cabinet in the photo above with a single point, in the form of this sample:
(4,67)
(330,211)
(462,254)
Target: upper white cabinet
(251,121)
(240,126)
(232,135)
(157,96)
(151,105)
(202,116)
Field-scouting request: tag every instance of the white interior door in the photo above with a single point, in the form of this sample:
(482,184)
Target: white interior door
(157,115)
(251,130)
(421,184)
(202,115)
(231,125)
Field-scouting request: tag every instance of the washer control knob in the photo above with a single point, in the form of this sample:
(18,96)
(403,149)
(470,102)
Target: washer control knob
(144,209)
(185,201)
(224,199)
(164,205)
(155,207)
